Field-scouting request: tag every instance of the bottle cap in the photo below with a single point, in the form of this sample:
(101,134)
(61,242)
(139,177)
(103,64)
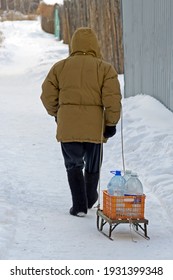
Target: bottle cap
(117,172)
(128,171)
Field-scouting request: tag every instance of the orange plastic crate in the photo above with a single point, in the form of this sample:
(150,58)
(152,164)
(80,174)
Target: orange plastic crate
(123,207)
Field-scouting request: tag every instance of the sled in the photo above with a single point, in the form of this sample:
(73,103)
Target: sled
(139,225)
(122,210)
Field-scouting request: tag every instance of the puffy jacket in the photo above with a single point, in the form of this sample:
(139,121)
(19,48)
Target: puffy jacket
(82,91)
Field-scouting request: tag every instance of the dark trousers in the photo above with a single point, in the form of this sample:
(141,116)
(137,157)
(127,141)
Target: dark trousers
(82,155)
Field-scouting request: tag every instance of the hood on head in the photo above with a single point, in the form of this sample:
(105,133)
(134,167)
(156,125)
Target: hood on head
(85,40)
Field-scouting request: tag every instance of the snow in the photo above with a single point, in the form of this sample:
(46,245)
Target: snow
(52,2)
(34,194)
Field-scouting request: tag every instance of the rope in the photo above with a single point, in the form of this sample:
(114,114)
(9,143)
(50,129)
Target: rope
(101,152)
(122,141)
(131,232)
(100,164)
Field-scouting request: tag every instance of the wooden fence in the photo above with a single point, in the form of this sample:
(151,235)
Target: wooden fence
(47,17)
(104,16)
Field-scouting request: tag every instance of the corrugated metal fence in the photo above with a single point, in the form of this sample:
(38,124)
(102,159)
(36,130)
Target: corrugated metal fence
(148,48)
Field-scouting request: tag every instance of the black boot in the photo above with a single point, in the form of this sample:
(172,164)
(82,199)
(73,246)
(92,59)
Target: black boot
(78,191)
(91,182)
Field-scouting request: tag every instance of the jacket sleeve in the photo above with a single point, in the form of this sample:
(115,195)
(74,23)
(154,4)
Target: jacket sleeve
(111,96)
(50,93)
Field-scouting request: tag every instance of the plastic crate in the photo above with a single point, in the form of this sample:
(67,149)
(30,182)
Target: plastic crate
(123,207)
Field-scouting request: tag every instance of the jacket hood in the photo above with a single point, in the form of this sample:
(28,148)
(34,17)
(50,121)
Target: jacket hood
(85,40)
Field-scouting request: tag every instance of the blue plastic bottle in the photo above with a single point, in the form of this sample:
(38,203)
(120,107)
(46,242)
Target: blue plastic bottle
(116,184)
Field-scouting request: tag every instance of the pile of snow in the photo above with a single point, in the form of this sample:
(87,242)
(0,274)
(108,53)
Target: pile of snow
(34,194)
(52,2)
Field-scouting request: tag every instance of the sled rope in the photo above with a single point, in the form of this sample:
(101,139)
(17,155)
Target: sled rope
(122,141)
(101,155)
(101,152)
(131,232)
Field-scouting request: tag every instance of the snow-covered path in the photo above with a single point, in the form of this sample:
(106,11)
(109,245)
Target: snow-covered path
(34,194)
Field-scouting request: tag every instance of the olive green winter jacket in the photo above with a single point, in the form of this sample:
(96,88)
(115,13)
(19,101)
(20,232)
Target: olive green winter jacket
(82,91)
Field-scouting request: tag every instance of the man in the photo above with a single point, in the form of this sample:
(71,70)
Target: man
(82,92)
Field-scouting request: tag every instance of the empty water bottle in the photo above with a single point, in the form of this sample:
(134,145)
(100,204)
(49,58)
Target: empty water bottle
(127,174)
(116,185)
(133,185)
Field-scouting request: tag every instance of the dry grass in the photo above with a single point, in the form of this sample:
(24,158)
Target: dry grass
(12,15)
